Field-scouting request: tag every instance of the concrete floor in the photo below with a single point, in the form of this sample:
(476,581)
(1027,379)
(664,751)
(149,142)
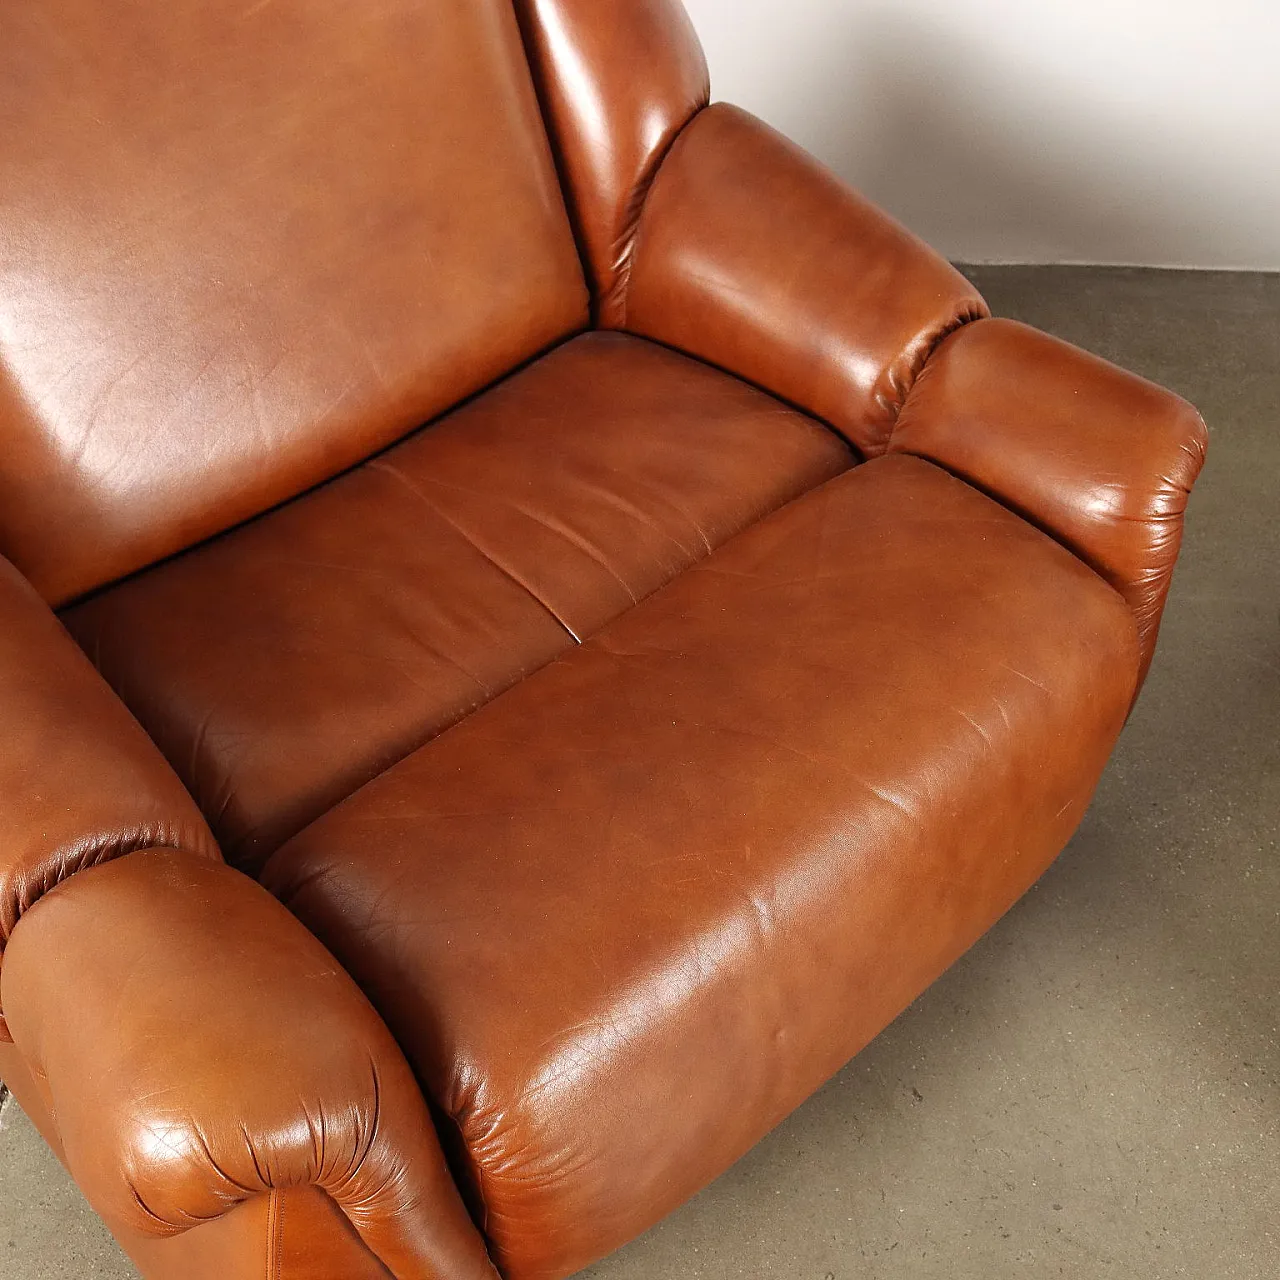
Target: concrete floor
(1094,1090)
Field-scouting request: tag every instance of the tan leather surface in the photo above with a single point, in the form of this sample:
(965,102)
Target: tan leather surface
(17,1077)
(198,1048)
(1100,458)
(245,245)
(753,256)
(618,80)
(313,1240)
(288,1235)
(296,1234)
(645,894)
(80,782)
(299,1234)
(628,915)
(283,665)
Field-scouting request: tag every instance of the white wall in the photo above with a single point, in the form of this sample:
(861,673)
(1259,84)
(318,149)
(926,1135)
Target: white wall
(1119,131)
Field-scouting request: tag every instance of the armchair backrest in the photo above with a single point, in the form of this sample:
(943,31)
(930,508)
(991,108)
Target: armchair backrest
(246,243)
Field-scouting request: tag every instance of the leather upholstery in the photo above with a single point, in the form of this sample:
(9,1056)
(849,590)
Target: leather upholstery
(627,916)
(647,891)
(753,256)
(247,245)
(1098,457)
(618,80)
(297,1234)
(80,782)
(230,1057)
(370,615)
(310,1239)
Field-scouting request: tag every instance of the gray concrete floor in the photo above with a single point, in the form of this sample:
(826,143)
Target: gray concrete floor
(1094,1090)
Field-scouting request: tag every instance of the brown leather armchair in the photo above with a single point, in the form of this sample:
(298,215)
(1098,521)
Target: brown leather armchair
(744,633)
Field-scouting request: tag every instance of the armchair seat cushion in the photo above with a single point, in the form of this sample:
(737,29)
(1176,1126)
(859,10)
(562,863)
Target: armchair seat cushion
(287,662)
(629,914)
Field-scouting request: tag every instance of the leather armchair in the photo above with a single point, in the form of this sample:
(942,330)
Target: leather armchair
(744,632)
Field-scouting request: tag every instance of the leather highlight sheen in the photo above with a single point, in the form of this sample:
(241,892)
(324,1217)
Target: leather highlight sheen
(615,586)
(1100,458)
(774,800)
(753,256)
(245,246)
(618,79)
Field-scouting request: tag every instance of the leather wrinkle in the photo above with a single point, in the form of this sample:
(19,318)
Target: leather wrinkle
(967,314)
(634,219)
(588,746)
(580,534)
(507,572)
(582,617)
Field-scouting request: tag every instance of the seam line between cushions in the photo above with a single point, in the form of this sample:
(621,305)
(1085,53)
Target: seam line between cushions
(380,464)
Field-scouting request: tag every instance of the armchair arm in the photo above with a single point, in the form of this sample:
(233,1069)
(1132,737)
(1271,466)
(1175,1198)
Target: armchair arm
(195,1044)
(1101,459)
(199,1047)
(752,256)
(80,781)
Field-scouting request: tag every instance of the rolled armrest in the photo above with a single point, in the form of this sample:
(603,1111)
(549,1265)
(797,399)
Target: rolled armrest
(199,1047)
(80,781)
(751,255)
(1101,459)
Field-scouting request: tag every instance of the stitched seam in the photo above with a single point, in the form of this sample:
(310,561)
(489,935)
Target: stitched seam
(275,1236)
